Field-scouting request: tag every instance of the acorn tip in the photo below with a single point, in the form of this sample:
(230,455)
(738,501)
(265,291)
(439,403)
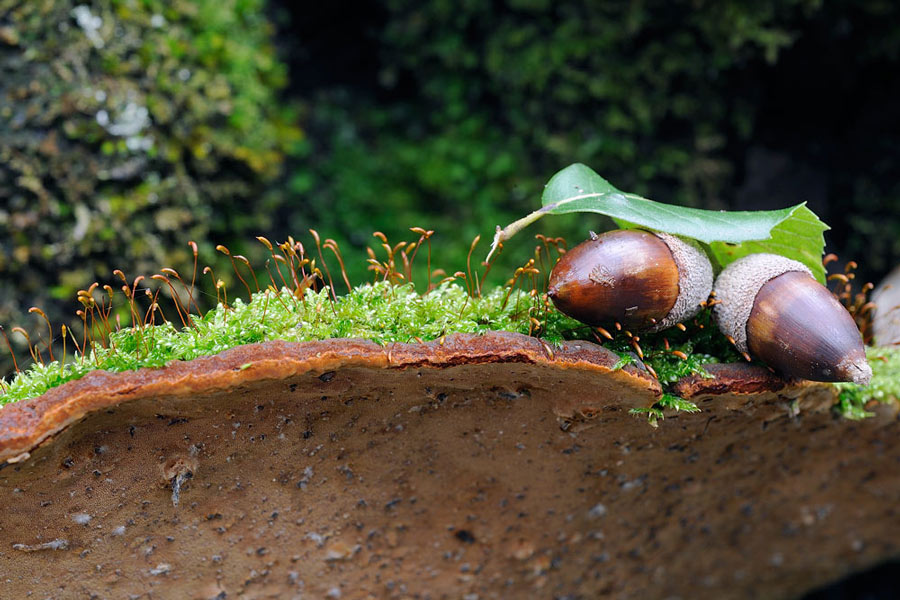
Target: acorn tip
(859,372)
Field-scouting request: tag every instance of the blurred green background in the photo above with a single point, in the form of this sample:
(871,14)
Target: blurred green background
(129,127)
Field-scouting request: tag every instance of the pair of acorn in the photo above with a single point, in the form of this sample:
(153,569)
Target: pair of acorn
(769,305)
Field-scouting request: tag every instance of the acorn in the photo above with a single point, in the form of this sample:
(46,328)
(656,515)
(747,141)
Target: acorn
(645,281)
(773,308)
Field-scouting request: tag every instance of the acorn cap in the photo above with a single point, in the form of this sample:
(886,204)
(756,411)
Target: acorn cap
(736,289)
(695,279)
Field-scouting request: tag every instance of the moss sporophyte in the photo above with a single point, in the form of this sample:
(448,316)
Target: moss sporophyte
(293,297)
(299,303)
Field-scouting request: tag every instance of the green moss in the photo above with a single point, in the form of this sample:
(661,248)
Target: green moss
(382,312)
(656,412)
(386,312)
(475,102)
(700,342)
(885,385)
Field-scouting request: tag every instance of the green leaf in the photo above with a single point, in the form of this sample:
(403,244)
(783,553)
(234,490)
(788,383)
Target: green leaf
(579,189)
(799,237)
(794,232)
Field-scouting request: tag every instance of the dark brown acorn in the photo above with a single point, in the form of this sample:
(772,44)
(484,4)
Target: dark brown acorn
(642,280)
(774,309)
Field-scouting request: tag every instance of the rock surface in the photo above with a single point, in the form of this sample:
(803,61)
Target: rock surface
(480,467)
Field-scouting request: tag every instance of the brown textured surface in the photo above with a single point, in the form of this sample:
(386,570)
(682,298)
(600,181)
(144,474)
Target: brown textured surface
(444,478)
(734,378)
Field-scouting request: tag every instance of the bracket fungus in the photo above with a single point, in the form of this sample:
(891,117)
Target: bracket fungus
(489,465)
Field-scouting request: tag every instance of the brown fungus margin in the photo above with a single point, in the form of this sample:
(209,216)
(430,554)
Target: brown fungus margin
(26,424)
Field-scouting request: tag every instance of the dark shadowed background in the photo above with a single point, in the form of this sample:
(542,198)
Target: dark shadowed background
(129,127)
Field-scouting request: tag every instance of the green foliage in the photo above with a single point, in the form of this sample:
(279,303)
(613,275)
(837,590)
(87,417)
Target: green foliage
(593,83)
(794,232)
(477,101)
(657,413)
(384,169)
(128,128)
